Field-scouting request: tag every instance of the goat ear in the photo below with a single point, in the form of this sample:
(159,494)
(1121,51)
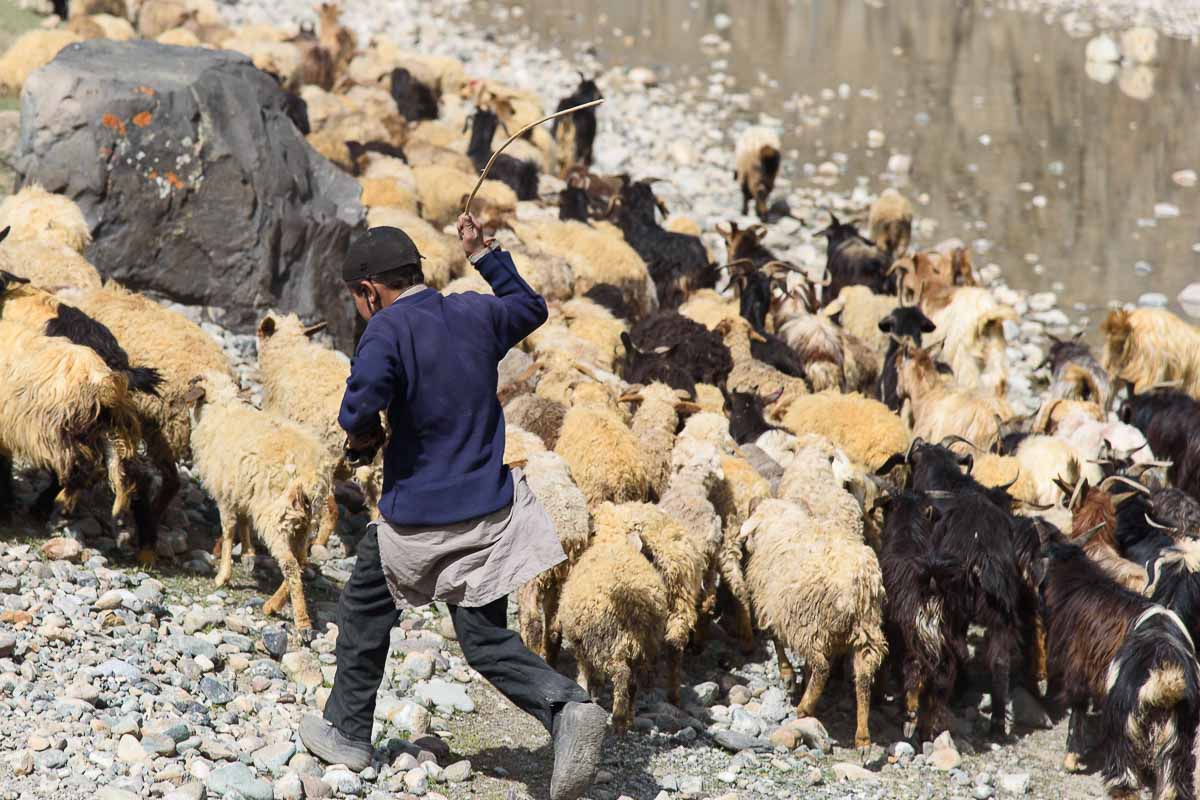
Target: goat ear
(4,233)
(194,395)
(967,462)
(886,324)
(266,328)
(894,460)
(927,326)
(313,330)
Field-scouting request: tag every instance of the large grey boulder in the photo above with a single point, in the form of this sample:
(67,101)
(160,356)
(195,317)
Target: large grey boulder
(196,184)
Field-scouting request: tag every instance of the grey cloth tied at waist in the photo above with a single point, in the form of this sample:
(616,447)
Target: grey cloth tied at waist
(474,562)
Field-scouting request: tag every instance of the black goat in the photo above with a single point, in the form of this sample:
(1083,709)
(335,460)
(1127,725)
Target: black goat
(694,349)
(746,418)
(359,152)
(1176,509)
(576,133)
(853,260)
(1169,420)
(296,110)
(573,203)
(520,176)
(661,364)
(1175,582)
(904,323)
(678,263)
(1131,658)
(414,100)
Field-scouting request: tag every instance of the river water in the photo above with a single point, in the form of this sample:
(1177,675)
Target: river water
(1060,174)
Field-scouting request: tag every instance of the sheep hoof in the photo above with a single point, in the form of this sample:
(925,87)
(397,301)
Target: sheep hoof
(1071,763)
(223,578)
(863,745)
(910,729)
(147,557)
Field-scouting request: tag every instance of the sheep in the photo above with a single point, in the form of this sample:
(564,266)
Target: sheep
(22,302)
(852,259)
(48,265)
(1077,375)
(264,472)
(1148,346)
(604,455)
(817,589)
(575,134)
(443,190)
(414,100)
(863,428)
(595,258)
(751,375)
(741,489)
(288,359)
(107,26)
(156,17)
(860,311)
(890,222)
(970,329)
(654,425)
(31,51)
(520,176)
(179,350)
(757,155)
(1133,659)
(709,308)
(539,415)
(388,193)
(678,263)
(443,258)
(1169,419)
(63,409)
(35,214)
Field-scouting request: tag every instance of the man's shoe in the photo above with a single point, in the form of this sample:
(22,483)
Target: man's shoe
(578,738)
(332,746)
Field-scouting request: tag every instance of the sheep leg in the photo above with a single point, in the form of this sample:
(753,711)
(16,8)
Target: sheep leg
(674,672)
(552,635)
(289,554)
(787,673)
(145,523)
(623,696)
(248,551)
(229,522)
(1075,736)
(864,676)
(818,676)
(529,619)
(329,520)
(7,498)
(163,459)
(588,678)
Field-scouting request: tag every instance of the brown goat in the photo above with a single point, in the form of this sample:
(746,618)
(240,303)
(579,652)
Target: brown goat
(923,272)
(1094,528)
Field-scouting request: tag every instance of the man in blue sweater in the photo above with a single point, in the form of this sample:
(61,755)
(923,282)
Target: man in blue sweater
(458,526)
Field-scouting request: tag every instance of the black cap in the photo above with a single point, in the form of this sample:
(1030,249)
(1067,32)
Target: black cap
(377,251)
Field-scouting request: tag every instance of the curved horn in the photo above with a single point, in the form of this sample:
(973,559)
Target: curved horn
(1104,484)
(1087,535)
(955,438)
(315,329)
(1154,524)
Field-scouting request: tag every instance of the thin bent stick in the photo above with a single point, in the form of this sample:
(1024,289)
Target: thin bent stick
(518,135)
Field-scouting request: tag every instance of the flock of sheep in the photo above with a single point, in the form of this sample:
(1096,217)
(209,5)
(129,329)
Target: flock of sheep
(831,465)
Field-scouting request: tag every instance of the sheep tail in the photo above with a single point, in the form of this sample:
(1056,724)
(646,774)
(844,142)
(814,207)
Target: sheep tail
(145,380)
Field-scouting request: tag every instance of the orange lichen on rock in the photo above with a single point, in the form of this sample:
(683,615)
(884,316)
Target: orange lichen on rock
(114,122)
(142,119)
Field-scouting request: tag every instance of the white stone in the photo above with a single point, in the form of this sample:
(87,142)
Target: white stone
(1103,49)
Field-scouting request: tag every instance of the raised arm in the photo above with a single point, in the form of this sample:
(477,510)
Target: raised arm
(517,310)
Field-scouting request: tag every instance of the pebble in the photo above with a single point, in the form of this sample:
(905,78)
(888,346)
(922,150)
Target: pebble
(1189,298)
(289,787)
(237,780)
(459,772)
(737,742)
(416,781)
(1028,712)
(812,733)
(708,693)
(740,695)
(853,772)
(1153,300)
(448,696)
(343,780)
(1015,784)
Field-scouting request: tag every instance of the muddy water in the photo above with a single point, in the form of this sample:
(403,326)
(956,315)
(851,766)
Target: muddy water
(1053,175)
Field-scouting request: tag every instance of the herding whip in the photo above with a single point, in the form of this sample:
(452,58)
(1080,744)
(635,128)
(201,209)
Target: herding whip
(518,135)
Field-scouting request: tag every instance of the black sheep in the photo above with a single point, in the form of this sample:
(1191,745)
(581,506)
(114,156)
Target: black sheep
(853,260)
(520,176)
(414,100)
(678,263)
(576,133)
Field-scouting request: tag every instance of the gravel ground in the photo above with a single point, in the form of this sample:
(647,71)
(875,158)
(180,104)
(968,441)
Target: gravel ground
(1179,18)
(115,683)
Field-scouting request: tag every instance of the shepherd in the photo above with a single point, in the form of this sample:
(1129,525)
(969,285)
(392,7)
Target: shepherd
(457,525)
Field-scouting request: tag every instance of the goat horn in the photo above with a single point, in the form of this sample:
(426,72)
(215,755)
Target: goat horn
(688,407)
(741,262)
(938,494)
(955,438)
(916,440)
(1154,524)
(1034,506)
(776,264)
(1117,499)
(1104,484)
(1087,535)
(1076,493)
(315,329)
(631,397)
(1165,385)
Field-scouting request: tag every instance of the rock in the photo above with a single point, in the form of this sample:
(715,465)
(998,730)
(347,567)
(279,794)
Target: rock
(901,750)
(945,759)
(812,733)
(61,548)
(745,722)
(899,164)
(343,781)
(217,693)
(314,787)
(875,139)
(1185,178)
(418,666)
(275,640)
(185,135)
(189,791)
(129,750)
(303,667)
(416,781)
(1028,712)
(21,762)
(1014,783)
(158,744)
(644,76)
(1189,298)
(1153,300)
(783,737)
(113,793)
(236,780)
(982,792)
(691,785)
(445,695)
(740,695)
(459,772)
(853,772)
(274,757)
(1102,49)
(737,742)
(194,646)
(1140,45)
(409,716)
(116,668)
(289,787)
(708,693)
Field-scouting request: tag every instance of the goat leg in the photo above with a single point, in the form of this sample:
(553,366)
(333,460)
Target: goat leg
(1075,736)
(1035,659)
(913,686)
(999,648)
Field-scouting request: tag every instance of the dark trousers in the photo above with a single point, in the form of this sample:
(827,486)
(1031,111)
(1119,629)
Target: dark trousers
(366,616)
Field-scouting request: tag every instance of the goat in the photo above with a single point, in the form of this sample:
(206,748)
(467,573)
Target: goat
(853,260)
(414,100)
(757,157)
(1149,346)
(520,176)
(940,409)
(692,348)
(932,272)
(903,324)
(890,222)
(576,133)
(1169,420)
(1076,374)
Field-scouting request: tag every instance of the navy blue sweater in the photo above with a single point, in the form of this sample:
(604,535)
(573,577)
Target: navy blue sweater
(430,360)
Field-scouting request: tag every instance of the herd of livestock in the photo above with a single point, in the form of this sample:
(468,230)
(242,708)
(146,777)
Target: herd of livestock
(831,465)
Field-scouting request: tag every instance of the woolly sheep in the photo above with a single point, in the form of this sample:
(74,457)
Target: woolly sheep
(863,428)
(1148,346)
(819,592)
(49,265)
(539,415)
(63,409)
(970,329)
(180,37)
(753,376)
(158,16)
(604,455)
(444,259)
(858,310)
(595,257)
(264,472)
(387,193)
(890,222)
(595,324)
(32,50)
(442,192)
(709,308)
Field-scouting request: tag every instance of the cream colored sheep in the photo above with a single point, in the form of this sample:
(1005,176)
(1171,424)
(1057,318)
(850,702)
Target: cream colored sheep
(970,330)
(740,491)
(654,425)
(709,308)
(33,214)
(1148,346)
(595,257)
(264,472)
(180,37)
(595,324)
(859,311)
(604,455)
(102,26)
(31,51)
(388,193)
(442,192)
(819,592)
(863,428)
(444,257)
(890,222)
(49,265)
(63,409)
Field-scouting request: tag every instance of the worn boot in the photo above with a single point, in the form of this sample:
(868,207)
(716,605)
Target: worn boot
(578,738)
(332,746)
